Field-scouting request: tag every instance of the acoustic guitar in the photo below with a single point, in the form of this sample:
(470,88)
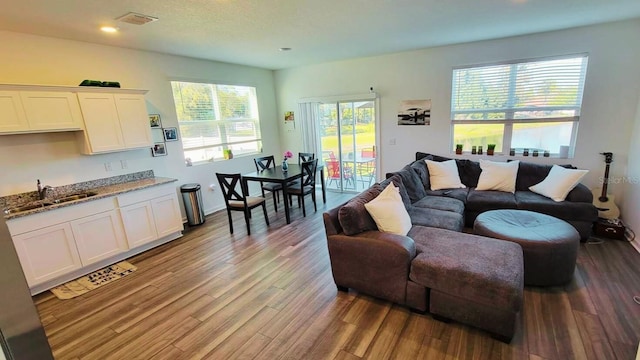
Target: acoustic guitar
(604,202)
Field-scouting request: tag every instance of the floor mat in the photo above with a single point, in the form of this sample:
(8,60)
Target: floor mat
(93,280)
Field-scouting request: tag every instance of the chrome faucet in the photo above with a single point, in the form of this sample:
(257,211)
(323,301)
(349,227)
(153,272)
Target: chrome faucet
(42,190)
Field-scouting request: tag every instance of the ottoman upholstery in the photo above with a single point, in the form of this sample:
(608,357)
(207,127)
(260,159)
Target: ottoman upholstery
(550,245)
(473,279)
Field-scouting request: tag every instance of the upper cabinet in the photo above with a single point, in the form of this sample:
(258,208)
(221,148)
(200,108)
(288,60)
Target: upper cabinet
(26,111)
(112,119)
(114,122)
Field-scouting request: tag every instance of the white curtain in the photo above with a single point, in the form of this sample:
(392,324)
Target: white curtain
(309,126)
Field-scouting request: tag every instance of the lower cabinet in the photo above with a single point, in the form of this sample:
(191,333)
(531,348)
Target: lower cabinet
(99,237)
(47,253)
(148,220)
(64,241)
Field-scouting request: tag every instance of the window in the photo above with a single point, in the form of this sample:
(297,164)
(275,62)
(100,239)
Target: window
(526,104)
(214,118)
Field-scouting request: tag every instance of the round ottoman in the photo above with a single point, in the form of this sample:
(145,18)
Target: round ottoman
(549,245)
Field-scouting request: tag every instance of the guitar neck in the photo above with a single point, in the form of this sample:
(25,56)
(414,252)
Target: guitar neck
(605,183)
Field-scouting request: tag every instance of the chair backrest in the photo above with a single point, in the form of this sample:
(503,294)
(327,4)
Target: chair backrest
(309,172)
(368,152)
(231,185)
(302,157)
(264,162)
(332,156)
(333,169)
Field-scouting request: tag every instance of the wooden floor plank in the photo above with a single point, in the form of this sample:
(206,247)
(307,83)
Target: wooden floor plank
(271,295)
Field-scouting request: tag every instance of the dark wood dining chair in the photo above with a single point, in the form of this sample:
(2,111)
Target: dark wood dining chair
(302,157)
(307,185)
(263,163)
(236,199)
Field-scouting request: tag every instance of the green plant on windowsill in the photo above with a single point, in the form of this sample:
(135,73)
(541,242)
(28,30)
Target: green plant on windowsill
(459,149)
(490,149)
(228,154)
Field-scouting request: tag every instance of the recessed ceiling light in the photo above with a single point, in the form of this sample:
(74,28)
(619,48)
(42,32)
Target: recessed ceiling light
(109,29)
(285,49)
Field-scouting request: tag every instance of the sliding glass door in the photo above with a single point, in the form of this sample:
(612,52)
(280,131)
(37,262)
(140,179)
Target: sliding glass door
(347,132)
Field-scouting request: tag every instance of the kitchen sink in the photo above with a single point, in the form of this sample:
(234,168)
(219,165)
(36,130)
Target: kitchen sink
(73,197)
(25,207)
(48,202)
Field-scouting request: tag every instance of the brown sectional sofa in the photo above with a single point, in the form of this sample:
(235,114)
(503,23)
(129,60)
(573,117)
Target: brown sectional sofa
(436,267)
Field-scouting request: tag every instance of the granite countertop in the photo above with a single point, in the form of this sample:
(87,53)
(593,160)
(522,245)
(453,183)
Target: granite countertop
(102,188)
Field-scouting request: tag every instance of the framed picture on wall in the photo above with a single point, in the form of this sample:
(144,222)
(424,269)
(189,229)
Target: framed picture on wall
(171,134)
(159,149)
(154,121)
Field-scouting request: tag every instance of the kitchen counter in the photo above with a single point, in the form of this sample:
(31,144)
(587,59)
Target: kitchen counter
(101,188)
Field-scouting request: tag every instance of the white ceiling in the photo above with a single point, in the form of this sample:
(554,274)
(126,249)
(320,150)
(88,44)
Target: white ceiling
(250,32)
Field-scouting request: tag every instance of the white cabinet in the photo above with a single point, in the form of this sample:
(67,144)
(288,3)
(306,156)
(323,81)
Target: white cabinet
(39,111)
(139,223)
(99,237)
(114,122)
(12,117)
(51,110)
(148,220)
(47,253)
(58,245)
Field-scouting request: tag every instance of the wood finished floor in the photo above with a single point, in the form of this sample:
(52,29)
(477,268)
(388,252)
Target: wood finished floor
(212,295)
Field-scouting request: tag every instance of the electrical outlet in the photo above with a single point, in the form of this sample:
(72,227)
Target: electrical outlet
(123,164)
(107,166)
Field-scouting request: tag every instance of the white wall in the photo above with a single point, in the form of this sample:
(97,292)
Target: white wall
(631,183)
(55,159)
(609,104)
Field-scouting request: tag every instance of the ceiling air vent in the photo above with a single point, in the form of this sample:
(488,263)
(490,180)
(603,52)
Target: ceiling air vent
(136,19)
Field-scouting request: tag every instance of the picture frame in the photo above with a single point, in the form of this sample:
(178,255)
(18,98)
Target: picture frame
(154,121)
(170,134)
(159,149)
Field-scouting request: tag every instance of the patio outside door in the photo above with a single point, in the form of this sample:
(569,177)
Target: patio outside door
(347,144)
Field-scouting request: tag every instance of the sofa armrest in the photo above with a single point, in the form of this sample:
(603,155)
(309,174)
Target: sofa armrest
(373,263)
(580,193)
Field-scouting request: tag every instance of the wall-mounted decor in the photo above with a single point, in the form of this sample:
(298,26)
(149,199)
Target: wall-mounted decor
(288,116)
(154,121)
(159,149)
(170,134)
(414,112)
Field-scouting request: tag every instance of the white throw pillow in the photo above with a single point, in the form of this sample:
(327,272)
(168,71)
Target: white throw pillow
(388,211)
(444,175)
(559,182)
(500,176)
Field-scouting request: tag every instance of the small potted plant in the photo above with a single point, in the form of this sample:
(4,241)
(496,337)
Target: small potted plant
(490,149)
(228,154)
(459,149)
(474,150)
(480,150)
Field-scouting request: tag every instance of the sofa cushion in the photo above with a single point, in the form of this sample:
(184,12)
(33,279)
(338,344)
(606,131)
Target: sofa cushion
(477,268)
(559,182)
(444,175)
(412,183)
(490,200)
(468,171)
(566,210)
(397,181)
(441,203)
(530,174)
(436,218)
(353,216)
(420,168)
(499,176)
(460,194)
(388,211)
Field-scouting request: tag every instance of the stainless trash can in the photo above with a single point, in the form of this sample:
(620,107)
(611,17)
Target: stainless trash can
(192,198)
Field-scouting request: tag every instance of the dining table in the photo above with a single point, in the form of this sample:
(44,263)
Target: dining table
(283,177)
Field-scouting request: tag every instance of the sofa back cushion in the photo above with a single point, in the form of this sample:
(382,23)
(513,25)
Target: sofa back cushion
(412,183)
(397,181)
(353,216)
(530,174)
(468,170)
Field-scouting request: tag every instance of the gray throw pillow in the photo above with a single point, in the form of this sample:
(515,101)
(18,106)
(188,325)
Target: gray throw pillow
(354,217)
